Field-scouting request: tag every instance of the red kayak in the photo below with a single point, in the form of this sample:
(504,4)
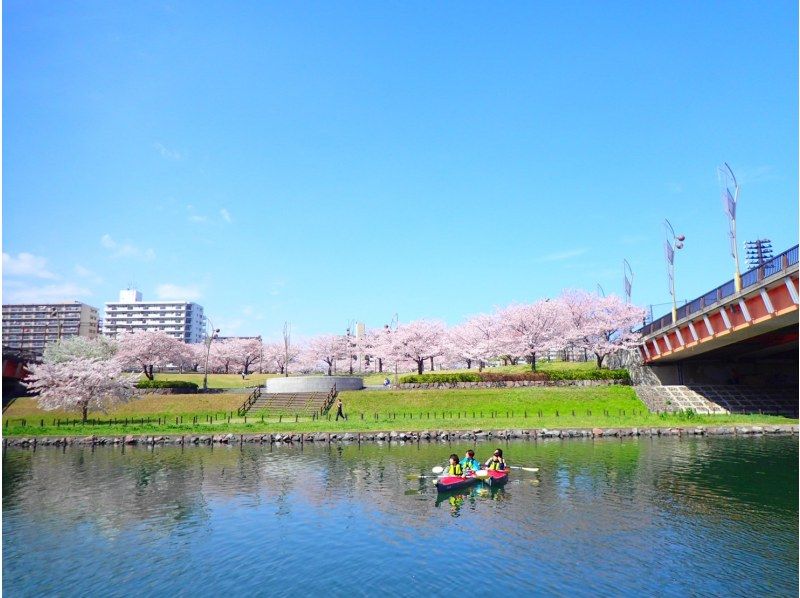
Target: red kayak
(496,477)
(448,483)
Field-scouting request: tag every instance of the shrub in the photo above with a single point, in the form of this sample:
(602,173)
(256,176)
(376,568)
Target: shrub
(166,384)
(441,378)
(513,377)
(621,375)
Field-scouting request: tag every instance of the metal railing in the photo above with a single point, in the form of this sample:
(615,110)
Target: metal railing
(751,277)
(249,402)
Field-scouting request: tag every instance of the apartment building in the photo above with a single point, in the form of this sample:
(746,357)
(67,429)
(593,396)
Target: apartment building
(29,326)
(182,319)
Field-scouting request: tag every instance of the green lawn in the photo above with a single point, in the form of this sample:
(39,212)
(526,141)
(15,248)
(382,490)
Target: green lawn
(449,409)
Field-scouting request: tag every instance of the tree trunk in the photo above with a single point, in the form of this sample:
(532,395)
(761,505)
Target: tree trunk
(480,365)
(330,372)
(420,365)
(599,360)
(147,375)
(533,362)
(469,364)
(85,411)
(380,365)
(431,363)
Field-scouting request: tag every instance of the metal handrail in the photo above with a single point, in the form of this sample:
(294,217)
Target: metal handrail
(751,277)
(329,400)
(249,402)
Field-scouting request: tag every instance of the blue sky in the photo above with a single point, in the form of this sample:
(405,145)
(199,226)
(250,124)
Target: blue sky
(322,162)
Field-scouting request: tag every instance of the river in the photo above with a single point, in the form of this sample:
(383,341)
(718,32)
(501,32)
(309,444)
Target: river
(665,516)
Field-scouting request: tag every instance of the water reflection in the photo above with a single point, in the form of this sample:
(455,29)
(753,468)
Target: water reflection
(697,515)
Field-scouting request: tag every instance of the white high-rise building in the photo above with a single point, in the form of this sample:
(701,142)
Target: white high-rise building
(182,319)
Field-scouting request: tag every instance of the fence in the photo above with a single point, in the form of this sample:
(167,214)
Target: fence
(392,416)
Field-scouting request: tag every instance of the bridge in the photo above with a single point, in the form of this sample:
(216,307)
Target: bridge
(729,350)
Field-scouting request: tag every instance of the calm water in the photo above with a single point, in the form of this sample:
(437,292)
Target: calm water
(706,516)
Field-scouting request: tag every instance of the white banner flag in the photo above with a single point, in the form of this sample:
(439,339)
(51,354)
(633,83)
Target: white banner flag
(669,253)
(729,204)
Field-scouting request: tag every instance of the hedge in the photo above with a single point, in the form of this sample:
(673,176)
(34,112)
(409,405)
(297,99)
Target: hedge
(444,378)
(513,377)
(166,384)
(621,375)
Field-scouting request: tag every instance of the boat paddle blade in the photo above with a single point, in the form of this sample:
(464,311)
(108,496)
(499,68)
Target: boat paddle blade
(438,469)
(481,474)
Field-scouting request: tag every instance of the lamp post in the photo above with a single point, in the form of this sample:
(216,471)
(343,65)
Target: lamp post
(214,334)
(669,254)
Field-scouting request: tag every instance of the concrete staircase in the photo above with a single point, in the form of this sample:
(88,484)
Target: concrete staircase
(720,399)
(285,403)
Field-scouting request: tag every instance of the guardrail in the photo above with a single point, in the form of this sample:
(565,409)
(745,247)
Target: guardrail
(751,277)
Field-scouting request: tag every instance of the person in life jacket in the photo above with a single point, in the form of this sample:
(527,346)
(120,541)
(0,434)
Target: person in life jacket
(454,468)
(470,462)
(496,461)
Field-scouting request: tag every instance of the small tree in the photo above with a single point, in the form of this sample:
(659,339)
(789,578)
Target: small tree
(80,384)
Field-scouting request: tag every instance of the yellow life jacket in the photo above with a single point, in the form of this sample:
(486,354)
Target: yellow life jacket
(495,465)
(455,469)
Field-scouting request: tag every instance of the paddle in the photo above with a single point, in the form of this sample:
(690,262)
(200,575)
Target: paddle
(523,468)
(438,470)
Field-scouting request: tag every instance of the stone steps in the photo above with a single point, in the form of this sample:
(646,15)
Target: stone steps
(720,399)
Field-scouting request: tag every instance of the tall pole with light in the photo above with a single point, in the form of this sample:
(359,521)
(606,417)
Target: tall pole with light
(669,254)
(729,201)
(392,329)
(209,338)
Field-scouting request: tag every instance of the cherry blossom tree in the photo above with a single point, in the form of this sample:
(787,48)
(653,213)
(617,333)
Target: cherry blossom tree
(601,325)
(275,354)
(80,384)
(477,339)
(327,349)
(417,341)
(73,347)
(530,328)
(147,350)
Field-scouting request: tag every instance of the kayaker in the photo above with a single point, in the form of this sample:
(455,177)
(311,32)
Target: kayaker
(496,461)
(470,462)
(454,468)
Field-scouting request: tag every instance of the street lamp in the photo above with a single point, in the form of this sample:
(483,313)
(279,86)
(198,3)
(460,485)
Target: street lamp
(669,254)
(214,334)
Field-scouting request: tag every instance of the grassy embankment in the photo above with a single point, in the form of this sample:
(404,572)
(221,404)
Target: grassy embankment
(454,409)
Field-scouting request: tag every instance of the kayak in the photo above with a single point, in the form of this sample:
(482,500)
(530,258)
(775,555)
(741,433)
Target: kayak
(495,477)
(447,483)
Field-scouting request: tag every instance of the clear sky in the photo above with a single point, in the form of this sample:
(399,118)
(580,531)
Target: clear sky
(319,162)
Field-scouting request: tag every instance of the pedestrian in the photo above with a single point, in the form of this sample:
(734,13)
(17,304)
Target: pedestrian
(339,412)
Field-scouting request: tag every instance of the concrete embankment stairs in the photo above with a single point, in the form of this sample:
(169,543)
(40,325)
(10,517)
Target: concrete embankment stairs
(299,403)
(720,399)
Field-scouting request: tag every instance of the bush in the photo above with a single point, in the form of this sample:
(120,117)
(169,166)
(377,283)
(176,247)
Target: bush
(621,375)
(166,384)
(441,378)
(513,377)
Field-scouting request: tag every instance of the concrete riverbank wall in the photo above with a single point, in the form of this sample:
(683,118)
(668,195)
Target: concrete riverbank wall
(299,438)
